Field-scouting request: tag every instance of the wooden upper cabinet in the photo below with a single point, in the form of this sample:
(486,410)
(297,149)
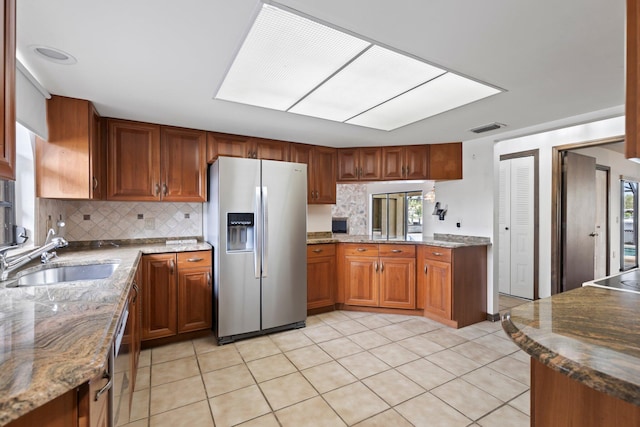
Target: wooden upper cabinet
(359,164)
(133,161)
(227,145)
(8,78)
(321,171)
(183,164)
(405,162)
(270,149)
(70,165)
(632,101)
(445,161)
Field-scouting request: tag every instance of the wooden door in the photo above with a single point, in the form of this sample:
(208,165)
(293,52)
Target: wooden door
(159,296)
(8,92)
(348,164)
(133,161)
(59,412)
(398,282)
(269,149)
(97,160)
(370,164)
(194,299)
(438,288)
(416,162)
(445,161)
(184,167)
(361,281)
(222,144)
(321,275)
(578,219)
(323,170)
(393,163)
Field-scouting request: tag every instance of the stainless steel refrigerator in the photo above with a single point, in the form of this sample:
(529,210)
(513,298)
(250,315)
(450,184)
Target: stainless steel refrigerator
(256,220)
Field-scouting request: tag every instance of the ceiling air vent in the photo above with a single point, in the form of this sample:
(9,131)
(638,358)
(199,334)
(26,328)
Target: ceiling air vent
(487,128)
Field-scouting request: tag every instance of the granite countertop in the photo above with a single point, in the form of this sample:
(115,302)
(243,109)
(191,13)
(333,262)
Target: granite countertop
(54,338)
(589,334)
(440,240)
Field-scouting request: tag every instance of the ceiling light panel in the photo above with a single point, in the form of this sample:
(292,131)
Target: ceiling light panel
(437,96)
(284,57)
(372,78)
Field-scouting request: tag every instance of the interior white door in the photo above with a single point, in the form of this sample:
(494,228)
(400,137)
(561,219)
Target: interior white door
(601,238)
(504,233)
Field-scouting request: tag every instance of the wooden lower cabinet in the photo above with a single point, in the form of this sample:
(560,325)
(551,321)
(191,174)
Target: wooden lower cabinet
(176,293)
(362,281)
(452,284)
(321,275)
(398,282)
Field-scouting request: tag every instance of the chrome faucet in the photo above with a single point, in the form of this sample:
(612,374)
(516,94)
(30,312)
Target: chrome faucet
(7,265)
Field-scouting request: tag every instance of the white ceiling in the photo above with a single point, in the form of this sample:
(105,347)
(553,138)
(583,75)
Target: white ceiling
(161,61)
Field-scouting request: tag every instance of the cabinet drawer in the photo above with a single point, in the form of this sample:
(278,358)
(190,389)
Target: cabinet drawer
(436,253)
(364,249)
(398,251)
(315,251)
(194,259)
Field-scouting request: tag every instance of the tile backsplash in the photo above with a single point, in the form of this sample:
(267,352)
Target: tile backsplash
(101,220)
(352,203)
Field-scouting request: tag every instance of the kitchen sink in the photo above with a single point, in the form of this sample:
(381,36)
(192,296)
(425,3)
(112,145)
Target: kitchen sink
(67,273)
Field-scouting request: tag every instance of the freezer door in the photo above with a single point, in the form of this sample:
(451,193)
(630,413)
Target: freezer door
(284,270)
(238,286)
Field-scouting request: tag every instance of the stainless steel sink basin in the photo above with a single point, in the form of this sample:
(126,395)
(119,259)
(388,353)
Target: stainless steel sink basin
(67,273)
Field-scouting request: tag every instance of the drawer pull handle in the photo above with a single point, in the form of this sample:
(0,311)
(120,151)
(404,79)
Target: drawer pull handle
(106,387)
(361,250)
(194,259)
(437,253)
(317,251)
(396,251)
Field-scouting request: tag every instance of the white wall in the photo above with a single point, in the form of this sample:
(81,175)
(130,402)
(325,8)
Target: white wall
(25,182)
(318,218)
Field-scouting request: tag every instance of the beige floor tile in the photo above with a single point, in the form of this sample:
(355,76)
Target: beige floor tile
(369,339)
(322,334)
(489,326)
(139,423)
(143,378)
(466,398)
(206,344)
(421,345)
(165,397)
(514,368)
(429,411)
(521,356)
(285,391)
(238,406)
(140,405)
(419,325)
(270,367)
(453,362)
(218,359)
(389,418)
(469,332)
(307,357)
(374,321)
(522,403)
(505,416)
(340,347)
(502,345)
(196,414)
(355,314)
(363,365)
(355,402)
(162,373)
(172,352)
(256,348)
(393,387)
(328,376)
(333,317)
(268,420)
(397,318)
(477,352)
(145,358)
(445,337)
(314,322)
(498,385)
(395,332)
(312,413)
(291,340)
(349,327)
(394,354)
(227,379)
(425,373)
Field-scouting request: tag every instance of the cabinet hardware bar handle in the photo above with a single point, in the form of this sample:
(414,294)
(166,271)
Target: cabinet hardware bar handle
(208,279)
(437,253)
(317,251)
(382,266)
(396,251)
(135,288)
(425,269)
(194,259)
(171,266)
(361,250)
(165,189)
(95,182)
(407,170)
(157,189)
(375,264)
(106,387)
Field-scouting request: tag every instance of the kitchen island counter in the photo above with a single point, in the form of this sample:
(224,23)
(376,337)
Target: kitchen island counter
(441,240)
(57,337)
(590,335)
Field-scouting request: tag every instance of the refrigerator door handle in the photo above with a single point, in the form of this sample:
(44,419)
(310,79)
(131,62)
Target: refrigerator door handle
(257,236)
(265,234)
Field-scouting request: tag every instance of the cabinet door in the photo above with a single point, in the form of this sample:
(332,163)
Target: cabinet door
(8,93)
(62,411)
(445,161)
(323,170)
(194,299)
(222,144)
(321,275)
(184,168)
(301,153)
(348,164)
(159,296)
(133,161)
(97,160)
(268,149)
(361,281)
(416,162)
(398,282)
(393,163)
(370,164)
(136,327)
(438,288)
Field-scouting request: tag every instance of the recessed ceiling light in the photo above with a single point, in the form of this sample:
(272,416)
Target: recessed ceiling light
(290,63)
(55,55)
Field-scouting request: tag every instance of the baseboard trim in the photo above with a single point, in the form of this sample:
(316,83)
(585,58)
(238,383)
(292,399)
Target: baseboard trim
(493,317)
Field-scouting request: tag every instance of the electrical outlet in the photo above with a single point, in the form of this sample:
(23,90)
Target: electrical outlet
(149,223)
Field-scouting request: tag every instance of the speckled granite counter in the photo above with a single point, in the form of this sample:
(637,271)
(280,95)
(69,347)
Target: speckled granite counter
(590,334)
(55,338)
(441,240)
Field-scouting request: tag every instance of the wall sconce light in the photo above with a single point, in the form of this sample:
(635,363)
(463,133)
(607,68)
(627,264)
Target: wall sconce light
(439,211)
(430,196)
